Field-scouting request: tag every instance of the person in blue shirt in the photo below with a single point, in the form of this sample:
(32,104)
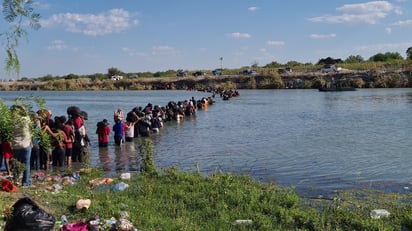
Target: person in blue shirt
(118,131)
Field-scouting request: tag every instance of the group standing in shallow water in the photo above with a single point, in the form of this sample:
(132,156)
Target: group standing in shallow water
(59,141)
(143,121)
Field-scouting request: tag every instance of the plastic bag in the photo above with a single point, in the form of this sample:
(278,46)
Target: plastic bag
(77,226)
(27,215)
(119,187)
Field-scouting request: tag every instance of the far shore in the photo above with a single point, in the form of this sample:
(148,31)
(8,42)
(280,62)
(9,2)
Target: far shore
(295,80)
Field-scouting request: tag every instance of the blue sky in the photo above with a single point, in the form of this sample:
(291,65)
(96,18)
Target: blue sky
(87,37)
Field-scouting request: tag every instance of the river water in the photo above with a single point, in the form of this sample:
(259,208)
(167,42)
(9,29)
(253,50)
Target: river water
(302,138)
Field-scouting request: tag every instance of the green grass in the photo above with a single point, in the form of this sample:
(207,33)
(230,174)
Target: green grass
(169,199)
(174,200)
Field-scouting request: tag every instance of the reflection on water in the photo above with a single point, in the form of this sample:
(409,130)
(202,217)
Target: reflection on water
(105,159)
(409,97)
(124,158)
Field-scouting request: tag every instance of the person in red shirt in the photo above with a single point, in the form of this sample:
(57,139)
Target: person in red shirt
(8,154)
(103,132)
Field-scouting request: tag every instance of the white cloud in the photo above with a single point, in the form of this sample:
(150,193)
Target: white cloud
(57,45)
(388,30)
(132,52)
(252,8)
(384,47)
(403,23)
(369,13)
(322,36)
(367,8)
(240,35)
(275,43)
(156,50)
(113,21)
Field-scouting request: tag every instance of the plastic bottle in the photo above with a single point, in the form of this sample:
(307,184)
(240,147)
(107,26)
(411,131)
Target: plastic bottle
(125,176)
(76,175)
(120,187)
(64,219)
(379,213)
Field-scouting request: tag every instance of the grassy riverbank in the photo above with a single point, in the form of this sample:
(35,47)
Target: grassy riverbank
(168,199)
(173,200)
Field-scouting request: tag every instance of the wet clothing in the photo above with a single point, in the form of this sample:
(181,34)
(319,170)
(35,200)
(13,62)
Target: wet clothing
(69,131)
(118,132)
(79,144)
(129,131)
(58,154)
(103,133)
(77,122)
(35,157)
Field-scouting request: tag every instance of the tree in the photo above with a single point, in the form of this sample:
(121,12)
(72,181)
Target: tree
(409,53)
(388,56)
(114,71)
(329,61)
(71,76)
(16,12)
(293,63)
(354,59)
(255,64)
(273,64)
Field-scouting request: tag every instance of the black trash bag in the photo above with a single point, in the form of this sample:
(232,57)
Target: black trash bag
(27,215)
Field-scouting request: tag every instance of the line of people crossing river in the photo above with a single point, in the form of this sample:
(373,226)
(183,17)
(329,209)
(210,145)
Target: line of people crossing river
(43,142)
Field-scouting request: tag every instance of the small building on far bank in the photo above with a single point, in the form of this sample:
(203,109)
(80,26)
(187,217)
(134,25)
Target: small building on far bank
(116,77)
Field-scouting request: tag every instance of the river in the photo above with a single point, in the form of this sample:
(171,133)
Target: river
(302,138)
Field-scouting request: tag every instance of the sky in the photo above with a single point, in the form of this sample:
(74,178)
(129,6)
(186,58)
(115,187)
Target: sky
(87,37)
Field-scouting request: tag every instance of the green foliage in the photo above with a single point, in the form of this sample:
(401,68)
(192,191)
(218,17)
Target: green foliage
(146,149)
(174,200)
(388,56)
(6,122)
(72,76)
(251,83)
(319,82)
(9,118)
(46,78)
(44,140)
(273,81)
(17,170)
(273,64)
(227,85)
(293,63)
(409,53)
(14,12)
(114,71)
(354,59)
